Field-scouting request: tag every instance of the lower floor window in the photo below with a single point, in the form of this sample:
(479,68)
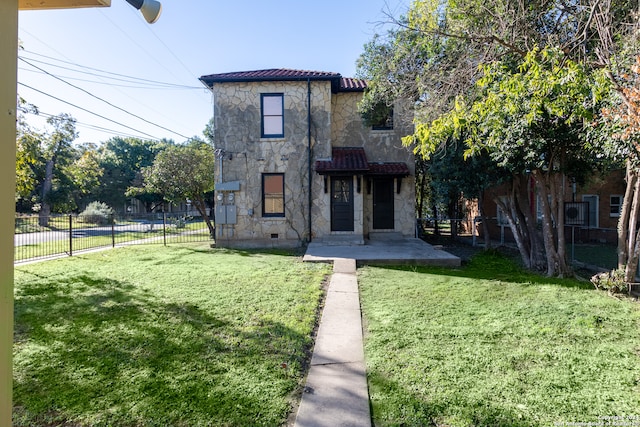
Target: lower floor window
(273,194)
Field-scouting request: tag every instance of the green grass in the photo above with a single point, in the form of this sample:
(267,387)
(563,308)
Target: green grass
(492,345)
(155,336)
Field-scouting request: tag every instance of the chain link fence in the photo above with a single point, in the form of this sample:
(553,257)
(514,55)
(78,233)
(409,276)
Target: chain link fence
(53,236)
(594,246)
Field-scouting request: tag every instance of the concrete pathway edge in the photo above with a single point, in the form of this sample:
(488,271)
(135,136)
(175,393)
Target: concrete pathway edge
(336,392)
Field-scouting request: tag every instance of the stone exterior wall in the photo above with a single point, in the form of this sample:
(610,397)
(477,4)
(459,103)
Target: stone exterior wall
(348,130)
(244,156)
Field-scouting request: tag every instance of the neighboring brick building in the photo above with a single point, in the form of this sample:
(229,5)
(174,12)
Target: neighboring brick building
(296,162)
(592,211)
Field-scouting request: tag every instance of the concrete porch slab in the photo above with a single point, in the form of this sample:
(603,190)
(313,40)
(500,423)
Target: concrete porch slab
(395,251)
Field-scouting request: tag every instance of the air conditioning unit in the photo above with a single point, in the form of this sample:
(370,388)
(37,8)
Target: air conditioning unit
(576,213)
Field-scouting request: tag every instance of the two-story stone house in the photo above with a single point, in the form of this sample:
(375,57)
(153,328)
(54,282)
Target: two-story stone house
(296,161)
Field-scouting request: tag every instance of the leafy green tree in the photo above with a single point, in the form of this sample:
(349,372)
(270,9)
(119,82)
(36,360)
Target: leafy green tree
(184,172)
(29,165)
(57,153)
(122,161)
(85,173)
(531,120)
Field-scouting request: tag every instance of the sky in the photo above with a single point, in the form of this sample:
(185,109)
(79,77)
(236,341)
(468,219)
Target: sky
(119,76)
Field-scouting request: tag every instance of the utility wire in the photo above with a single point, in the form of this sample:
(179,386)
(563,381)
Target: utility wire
(104,82)
(86,125)
(88,111)
(126,77)
(148,27)
(138,44)
(104,100)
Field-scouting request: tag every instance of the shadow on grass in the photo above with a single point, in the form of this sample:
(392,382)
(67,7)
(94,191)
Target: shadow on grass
(91,351)
(492,265)
(404,408)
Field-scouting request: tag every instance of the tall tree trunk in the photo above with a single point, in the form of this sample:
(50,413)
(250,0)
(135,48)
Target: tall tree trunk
(201,206)
(45,207)
(527,216)
(483,221)
(625,212)
(550,201)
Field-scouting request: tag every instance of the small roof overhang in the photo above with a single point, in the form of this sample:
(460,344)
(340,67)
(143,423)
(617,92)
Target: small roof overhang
(344,160)
(353,160)
(389,169)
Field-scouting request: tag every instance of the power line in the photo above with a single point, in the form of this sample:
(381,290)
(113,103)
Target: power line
(106,83)
(126,94)
(138,44)
(88,111)
(104,100)
(86,125)
(126,77)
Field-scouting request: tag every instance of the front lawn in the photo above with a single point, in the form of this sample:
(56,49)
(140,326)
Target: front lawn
(156,336)
(492,345)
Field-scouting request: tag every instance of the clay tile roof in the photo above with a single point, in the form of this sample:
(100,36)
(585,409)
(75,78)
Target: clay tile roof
(348,84)
(395,169)
(282,74)
(344,159)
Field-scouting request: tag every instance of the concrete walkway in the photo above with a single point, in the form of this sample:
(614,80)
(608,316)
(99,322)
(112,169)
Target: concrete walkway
(382,251)
(336,391)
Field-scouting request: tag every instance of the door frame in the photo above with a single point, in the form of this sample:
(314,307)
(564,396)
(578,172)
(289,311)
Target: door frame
(342,224)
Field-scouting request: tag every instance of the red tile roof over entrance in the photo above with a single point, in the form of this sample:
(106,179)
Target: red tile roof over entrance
(354,160)
(344,159)
(396,169)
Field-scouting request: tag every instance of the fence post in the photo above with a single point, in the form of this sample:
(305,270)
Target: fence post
(113,231)
(164,228)
(70,235)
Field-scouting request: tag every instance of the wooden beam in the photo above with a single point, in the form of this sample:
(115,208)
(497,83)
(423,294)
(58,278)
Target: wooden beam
(60,4)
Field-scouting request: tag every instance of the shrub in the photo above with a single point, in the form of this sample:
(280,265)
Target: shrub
(612,281)
(97,213)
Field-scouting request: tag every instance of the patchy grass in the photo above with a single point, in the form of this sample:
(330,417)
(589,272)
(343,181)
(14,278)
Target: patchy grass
(151,336)
(493,345)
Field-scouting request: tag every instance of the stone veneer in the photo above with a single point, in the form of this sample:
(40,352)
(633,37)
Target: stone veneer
(244,156)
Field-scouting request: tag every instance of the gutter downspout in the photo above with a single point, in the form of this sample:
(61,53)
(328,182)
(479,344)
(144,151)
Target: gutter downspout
(309,149)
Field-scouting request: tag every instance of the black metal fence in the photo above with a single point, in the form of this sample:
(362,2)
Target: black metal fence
(67,234)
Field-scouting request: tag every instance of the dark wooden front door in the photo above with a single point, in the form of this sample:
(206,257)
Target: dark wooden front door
(383,204)
(342,203)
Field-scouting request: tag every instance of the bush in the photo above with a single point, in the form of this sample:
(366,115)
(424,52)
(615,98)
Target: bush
(97,213)
(612,281)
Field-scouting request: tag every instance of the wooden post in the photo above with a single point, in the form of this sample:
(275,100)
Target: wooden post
(8,96)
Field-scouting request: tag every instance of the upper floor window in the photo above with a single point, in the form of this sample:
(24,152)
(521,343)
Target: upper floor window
(379,117)
(272,106)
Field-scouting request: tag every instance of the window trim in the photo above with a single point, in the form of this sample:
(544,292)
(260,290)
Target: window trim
(611,196)
(263,115)
(388,124)
(272,214)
